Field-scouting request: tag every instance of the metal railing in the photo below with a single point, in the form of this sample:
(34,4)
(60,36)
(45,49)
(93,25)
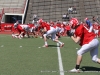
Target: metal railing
(1,14)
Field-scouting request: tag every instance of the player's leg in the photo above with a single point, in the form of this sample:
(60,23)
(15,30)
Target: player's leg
(36,32)
(27,30)
(94,55)
(55,39)
(49,32)
(16,35)
(85,48)
(45,40)
(78,62)
(94,52)
(21,35)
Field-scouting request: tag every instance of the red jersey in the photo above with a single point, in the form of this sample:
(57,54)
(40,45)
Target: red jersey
(45,25)
(58,25)
(83,33)
(67,27)
(95,26)
(31,25)
(54,26)
(98,27)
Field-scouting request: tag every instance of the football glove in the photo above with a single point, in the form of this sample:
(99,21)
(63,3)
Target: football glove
(69,33)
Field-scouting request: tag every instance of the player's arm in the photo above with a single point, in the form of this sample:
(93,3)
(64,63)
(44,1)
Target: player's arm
(75,39)
(45,30)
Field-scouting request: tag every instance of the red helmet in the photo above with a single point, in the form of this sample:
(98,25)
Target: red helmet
(40,20)
(74,22)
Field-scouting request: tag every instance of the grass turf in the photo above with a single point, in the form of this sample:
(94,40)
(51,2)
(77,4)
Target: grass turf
(24,57)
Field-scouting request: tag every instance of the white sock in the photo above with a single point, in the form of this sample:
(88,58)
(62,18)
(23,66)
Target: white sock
(46,43)
(59,42)
(16,36)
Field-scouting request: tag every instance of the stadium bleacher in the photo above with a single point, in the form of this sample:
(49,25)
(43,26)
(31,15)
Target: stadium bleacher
(12,6)
(54,9)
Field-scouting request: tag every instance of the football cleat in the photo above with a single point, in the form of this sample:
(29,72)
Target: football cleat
(62,45)
(75,70)
(19,37)
(45,46)
(13,36)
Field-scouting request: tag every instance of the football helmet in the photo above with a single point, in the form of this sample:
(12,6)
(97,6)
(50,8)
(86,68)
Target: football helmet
(40,20)
(74,22)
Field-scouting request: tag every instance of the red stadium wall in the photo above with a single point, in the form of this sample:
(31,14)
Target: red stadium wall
(6,27)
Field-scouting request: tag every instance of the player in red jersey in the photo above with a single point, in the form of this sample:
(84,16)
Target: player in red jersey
(48,30)
(88,42)
(68,28)
(15,29)
(22,30)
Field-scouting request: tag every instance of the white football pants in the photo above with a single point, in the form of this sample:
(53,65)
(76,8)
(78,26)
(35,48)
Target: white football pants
(92,47)
(51,32)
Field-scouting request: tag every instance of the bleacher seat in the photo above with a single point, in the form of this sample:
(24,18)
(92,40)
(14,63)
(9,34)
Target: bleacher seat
(11,4)
(54,9)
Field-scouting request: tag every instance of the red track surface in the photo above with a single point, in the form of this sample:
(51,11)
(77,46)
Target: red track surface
(5,32)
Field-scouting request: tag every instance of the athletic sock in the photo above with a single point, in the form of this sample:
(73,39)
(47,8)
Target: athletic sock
(46,43)
(77,66)
(59,42)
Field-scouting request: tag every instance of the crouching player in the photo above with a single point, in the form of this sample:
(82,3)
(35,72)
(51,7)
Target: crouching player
(48,30)
(87,40)
(22,30)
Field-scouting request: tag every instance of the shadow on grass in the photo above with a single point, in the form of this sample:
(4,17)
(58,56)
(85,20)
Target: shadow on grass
(89,68)
(53,46)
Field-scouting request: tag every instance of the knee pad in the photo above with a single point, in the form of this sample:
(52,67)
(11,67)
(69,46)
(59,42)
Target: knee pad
(94,59)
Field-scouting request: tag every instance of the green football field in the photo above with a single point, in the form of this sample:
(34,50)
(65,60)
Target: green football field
(28,57)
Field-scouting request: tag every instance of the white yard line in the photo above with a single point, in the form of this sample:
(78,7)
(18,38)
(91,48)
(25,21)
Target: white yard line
(70,72)
(60,61)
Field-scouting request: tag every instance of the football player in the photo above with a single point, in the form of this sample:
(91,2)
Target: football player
(49,30)
(87,40)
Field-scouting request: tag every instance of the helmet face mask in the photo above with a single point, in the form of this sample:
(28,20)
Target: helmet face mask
(73,26)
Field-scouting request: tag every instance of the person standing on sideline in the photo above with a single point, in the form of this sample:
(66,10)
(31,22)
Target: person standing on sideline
(88,42)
